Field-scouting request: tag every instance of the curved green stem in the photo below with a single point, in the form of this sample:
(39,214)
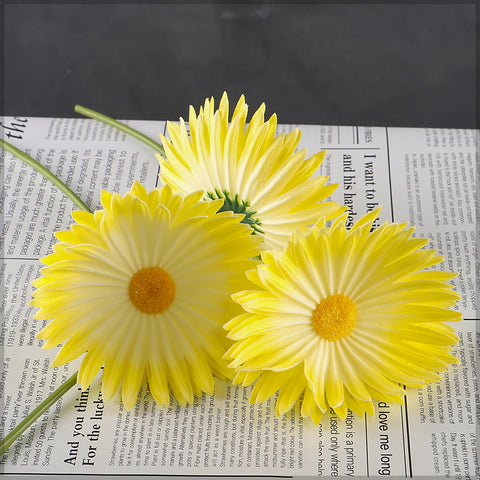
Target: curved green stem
(38,412)
(121,126)
(45,172)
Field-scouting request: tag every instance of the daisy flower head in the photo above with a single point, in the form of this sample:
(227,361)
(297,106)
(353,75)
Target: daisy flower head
(143,287)
(256,172)
(342,318)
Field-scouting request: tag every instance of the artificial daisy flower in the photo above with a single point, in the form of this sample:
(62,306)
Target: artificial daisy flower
(343,318)
(257,173)
(143,286)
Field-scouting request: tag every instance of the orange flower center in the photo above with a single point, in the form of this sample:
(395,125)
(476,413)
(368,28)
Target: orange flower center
(152,290)
(335,317)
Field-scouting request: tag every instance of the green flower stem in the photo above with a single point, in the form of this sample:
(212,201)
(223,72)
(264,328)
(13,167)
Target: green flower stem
(45,172)
(121,126)
(38,412)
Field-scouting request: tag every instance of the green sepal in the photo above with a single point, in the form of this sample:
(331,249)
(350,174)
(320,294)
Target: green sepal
(236,206)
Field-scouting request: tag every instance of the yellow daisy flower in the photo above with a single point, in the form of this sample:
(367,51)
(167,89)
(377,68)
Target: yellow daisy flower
(343,317)
(143,286)
(257,173)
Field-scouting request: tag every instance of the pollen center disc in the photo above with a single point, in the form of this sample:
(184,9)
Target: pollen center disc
(335,317)
(152,290)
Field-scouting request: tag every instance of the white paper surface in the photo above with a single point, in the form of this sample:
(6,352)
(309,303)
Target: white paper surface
(422,176)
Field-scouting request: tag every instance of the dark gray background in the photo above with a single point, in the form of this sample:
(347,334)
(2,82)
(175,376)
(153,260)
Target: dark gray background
(348,64)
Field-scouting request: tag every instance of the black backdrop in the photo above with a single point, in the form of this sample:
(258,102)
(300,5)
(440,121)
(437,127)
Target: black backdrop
(409,64)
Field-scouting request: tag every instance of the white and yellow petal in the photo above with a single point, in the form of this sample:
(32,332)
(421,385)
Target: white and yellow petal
(258,173)
(352,315)
(144,287)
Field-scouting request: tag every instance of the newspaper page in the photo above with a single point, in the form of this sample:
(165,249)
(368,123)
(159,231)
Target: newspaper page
(422,176)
